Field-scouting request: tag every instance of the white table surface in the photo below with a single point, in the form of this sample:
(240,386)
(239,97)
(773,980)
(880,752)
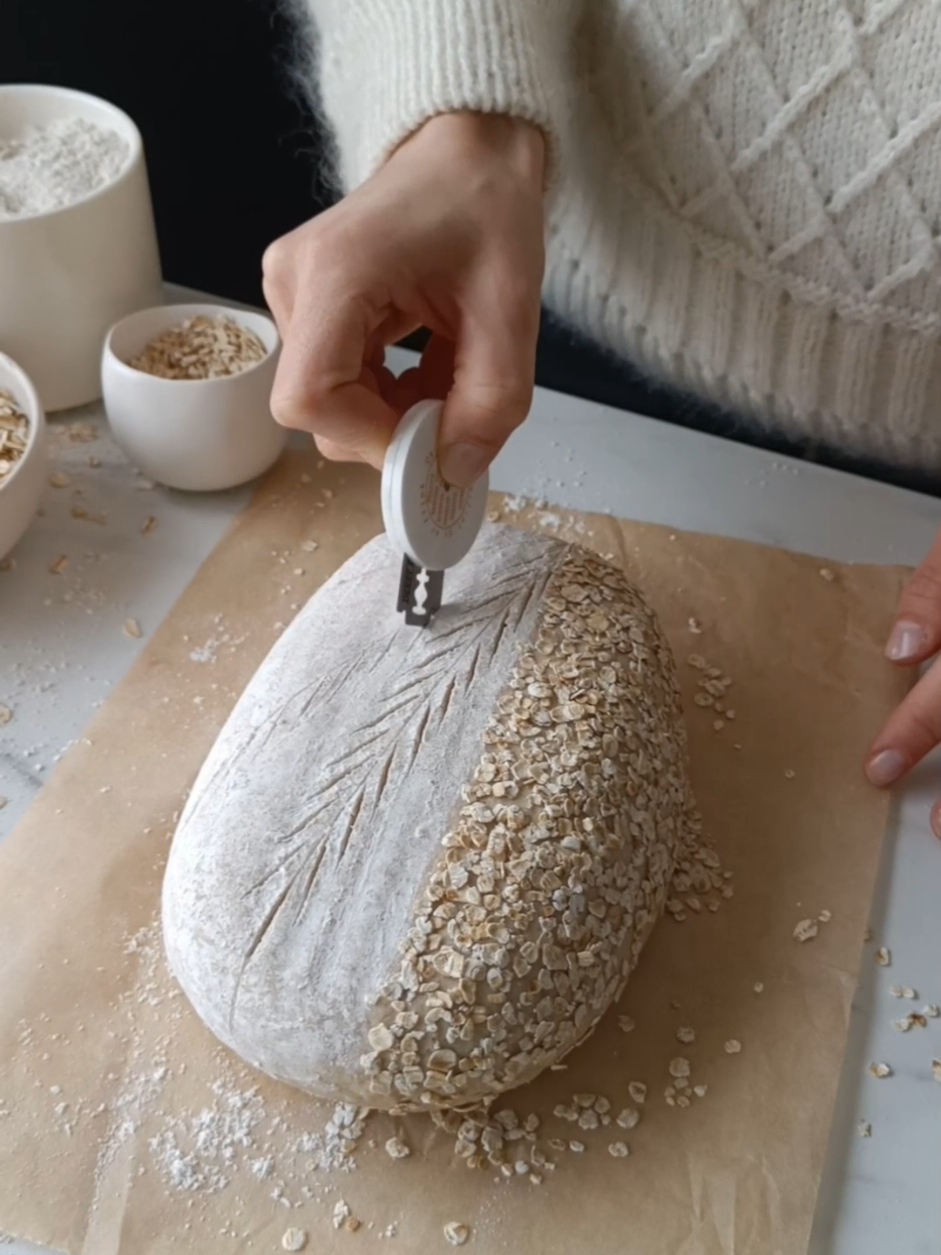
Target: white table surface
(62,649)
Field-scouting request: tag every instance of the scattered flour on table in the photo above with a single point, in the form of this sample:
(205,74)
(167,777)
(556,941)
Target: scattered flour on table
(53,166)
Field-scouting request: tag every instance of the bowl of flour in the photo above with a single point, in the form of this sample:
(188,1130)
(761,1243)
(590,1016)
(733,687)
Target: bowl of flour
(78,248)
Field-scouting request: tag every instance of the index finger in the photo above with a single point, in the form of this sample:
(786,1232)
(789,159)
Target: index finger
(912,730)
(322,380)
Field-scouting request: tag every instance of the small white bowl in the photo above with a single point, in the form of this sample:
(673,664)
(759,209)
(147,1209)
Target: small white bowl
(67,275)
(21,489)
(195,434)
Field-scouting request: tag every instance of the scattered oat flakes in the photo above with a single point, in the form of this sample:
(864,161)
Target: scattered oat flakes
(697,662)
(758,987)
(694,625)
(827,574)
(638,1092)
(718,724)
(789,773)
(397,1149)
(733,1047)
(88,516)
(864,1129)
(905,1024)
(805,930)
(6,714)
(309,545)
(629,1118)
(341,1213)
(679,1067)
(686,1035)
(883,957)
(456,1232)
(82,433)
(294,1239)
(577,1147)
(825,917)
(626,1024)
(931,1010)
(557,1144)
(493,516)
(908,992)
(148,525)
(351,1224)
(618,1150)
(700,1090)
(132,628)
(880,1070)
(59,479)
(58,565)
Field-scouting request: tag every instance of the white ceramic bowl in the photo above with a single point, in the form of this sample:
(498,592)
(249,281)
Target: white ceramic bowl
(67,275)
(197,434)
(22,488)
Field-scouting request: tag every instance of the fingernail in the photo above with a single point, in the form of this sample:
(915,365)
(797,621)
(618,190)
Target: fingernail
(885,767)
(906,641)
(936,819)
(461,464)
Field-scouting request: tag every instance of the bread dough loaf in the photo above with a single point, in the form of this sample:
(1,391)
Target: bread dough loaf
(419,864)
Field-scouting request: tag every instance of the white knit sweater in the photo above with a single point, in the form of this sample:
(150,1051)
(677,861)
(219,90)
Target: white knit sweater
(745,196)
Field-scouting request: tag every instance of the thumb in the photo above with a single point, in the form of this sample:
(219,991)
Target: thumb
(494,371)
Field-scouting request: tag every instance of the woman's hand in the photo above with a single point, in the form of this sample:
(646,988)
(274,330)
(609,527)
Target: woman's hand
(447,235)
(915,727)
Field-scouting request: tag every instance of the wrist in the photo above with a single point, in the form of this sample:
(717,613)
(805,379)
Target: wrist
(485,137)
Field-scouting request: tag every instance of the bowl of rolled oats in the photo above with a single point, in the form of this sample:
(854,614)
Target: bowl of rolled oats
(22,452)
(187,391)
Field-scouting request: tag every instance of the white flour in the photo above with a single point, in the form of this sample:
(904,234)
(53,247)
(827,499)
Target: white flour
(53,166)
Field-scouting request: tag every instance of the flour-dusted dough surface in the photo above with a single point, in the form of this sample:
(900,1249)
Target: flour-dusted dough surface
(418,865)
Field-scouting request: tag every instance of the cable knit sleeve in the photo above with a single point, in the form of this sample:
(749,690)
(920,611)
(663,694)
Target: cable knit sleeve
(386,66)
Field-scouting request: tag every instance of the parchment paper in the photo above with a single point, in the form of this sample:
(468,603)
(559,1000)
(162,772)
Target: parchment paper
(109,1085)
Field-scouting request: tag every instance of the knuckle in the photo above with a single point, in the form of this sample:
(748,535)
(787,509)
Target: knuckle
(925,584)
(921,728)
(503,407)
(293,407)
(274,260)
